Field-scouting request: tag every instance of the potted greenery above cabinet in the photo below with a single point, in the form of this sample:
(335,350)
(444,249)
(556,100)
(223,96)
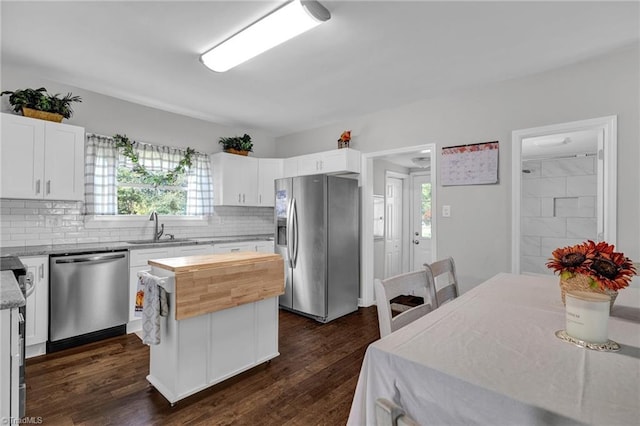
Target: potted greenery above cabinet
(37,103)
(240,145)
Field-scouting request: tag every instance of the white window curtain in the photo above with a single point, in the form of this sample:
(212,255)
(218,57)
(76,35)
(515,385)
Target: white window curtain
(101,163)
(101,168)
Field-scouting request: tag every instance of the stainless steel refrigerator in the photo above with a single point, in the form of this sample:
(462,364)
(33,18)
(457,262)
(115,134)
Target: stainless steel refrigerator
(317,233)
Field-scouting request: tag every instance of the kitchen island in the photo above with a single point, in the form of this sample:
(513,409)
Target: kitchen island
(222,320)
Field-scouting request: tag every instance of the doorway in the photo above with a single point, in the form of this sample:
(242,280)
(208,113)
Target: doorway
(563,189)
(404,164)
(394,222)
(421,188)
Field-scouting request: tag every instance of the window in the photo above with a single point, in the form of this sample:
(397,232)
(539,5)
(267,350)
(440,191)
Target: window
(140,198)
(425,210)
(112,186)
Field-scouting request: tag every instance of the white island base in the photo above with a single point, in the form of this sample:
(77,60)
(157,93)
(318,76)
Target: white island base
(198,352)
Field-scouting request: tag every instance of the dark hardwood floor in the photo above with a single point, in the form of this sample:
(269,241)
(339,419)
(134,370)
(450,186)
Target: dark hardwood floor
(311,383)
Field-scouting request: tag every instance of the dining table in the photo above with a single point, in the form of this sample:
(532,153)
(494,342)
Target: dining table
(492,357)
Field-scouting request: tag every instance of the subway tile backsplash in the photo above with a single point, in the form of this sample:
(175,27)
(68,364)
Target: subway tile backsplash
(29,222)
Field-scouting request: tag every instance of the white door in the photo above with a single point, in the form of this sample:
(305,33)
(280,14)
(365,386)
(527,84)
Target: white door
(393,227)
(421,221)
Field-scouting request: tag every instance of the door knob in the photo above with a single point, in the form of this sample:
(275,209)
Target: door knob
(416,242)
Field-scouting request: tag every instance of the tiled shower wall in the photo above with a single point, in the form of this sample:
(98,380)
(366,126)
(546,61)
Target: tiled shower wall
(558,207)
(30,223)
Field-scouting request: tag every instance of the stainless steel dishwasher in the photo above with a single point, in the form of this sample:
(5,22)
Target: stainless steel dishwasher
(88,297)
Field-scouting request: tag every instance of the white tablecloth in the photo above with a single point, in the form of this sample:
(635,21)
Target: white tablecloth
(491,357)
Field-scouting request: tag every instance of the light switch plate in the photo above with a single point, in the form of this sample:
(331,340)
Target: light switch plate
(446,211)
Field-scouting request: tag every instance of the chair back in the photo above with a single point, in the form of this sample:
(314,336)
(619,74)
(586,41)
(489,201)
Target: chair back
(411,283)
(442,276)
(389,413)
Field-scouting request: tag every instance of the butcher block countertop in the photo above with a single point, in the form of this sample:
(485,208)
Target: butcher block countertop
(209,283)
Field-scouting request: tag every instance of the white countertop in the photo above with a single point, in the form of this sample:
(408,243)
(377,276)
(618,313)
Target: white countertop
(45,250)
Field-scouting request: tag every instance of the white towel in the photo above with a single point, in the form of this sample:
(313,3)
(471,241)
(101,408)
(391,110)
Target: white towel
(151,308)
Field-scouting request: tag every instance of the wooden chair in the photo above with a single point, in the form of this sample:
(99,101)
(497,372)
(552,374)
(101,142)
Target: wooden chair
(411,283)
(391,414)
(443,271)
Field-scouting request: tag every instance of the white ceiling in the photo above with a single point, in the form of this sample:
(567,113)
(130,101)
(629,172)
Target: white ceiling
(370,56)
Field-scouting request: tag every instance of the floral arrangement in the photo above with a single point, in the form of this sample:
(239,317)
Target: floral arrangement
(606,269)
(344,140)
(345,136)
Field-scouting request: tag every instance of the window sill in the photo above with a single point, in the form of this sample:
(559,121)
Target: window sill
(99,221)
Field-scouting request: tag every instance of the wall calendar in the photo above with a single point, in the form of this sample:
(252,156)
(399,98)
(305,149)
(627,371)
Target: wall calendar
(473,164)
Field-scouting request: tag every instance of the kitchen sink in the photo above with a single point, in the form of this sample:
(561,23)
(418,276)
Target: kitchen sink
(161,241)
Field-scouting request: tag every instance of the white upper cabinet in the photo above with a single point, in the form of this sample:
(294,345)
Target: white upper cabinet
(269,169)
(235,180)
(41,160)
(329,162)
(244,181)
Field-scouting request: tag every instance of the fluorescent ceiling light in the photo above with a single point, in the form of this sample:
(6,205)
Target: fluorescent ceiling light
(552,141)
(282,24)
(423,162)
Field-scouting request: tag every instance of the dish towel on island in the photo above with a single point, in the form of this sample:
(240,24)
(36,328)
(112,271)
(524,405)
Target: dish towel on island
(154,306)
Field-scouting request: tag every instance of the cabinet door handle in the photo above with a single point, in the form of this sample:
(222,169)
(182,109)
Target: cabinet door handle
(48,187)
(38,186)
(41,271)
(260,199)
(243,202)
(239,198)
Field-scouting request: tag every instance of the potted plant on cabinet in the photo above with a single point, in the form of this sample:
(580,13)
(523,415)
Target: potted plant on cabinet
(240,145)
(37,103)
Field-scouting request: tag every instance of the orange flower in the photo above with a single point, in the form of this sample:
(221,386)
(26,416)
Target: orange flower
(570,259)
(612,271)
(609,269)
(345,136)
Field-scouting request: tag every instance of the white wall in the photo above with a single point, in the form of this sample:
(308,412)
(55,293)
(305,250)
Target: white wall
(478,233)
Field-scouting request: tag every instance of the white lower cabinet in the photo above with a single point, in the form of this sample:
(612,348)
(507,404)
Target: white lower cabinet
(263,246)
(37,320)
(192,250)
(138,262)
(201,351)
(9,366)
(233,247)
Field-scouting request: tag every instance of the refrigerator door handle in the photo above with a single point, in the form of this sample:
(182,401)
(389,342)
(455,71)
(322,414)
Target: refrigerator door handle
(290,232)
(295,232)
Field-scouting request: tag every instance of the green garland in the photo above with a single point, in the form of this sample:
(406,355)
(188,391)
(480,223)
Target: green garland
(156,179)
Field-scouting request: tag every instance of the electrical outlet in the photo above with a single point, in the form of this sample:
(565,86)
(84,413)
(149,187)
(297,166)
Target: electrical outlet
(446,211)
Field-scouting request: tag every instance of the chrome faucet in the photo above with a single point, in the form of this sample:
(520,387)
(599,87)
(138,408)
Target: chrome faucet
(156,234)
